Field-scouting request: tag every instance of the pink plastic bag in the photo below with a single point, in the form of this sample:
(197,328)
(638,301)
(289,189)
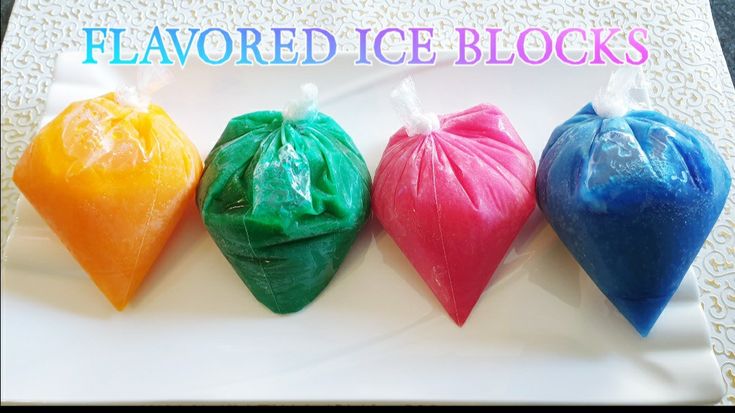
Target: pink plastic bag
(453,192)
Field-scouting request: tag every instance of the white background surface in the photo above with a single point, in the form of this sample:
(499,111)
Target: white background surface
(686,67)
(542,332)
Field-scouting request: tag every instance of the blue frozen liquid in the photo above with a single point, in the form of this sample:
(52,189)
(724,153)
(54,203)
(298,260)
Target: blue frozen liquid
(633,198)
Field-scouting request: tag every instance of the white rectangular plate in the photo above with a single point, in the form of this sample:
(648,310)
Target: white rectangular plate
(542,332)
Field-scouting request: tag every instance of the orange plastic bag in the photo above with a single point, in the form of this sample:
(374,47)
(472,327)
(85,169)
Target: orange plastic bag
(111,176)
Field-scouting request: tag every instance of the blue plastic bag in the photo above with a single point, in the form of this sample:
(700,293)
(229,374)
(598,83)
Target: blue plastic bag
(633,195)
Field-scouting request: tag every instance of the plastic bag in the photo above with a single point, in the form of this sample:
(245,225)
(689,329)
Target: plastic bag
(111,176)
(633,194)
(453,192)
(284,196)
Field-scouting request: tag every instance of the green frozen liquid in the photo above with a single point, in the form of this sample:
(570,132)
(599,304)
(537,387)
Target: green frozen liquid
(284,200)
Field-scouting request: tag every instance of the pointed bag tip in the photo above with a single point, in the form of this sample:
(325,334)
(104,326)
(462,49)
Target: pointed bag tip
(117,301)
(284,307)
(458,311)
(459,321)
(118,294)
(459,316)
(642,313)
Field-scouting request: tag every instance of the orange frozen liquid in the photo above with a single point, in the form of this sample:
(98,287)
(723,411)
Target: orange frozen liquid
(112,182)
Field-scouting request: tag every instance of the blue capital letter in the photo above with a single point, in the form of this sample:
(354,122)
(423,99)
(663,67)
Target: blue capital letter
(91,45)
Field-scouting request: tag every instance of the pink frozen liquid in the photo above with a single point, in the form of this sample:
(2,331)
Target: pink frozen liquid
(454,200)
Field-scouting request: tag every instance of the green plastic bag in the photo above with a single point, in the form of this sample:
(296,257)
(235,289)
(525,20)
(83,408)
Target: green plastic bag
(284,195)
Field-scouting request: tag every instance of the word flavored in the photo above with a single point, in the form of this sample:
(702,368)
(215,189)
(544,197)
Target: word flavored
(390,46)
